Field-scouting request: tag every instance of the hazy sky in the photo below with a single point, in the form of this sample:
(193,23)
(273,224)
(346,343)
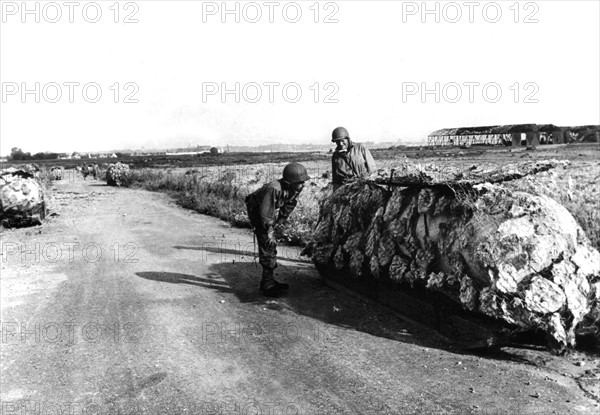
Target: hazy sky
(374,61)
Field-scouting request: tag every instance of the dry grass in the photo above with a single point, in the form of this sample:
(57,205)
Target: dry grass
(221,193)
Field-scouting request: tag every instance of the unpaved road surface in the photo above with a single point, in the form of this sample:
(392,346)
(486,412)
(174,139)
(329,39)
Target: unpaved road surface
(124,303)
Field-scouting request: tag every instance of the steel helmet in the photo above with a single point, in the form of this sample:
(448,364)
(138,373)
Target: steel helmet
(339,134)
(295,173)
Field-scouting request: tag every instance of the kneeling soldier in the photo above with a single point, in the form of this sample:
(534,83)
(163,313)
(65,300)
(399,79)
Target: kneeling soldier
(266,207)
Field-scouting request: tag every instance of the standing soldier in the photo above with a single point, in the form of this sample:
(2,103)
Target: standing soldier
(267,206)
(349,159)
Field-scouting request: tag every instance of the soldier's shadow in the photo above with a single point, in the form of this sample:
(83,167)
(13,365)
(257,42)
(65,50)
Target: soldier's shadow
(177,278)
(309,296)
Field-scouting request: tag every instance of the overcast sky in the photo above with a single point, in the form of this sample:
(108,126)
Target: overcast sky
(365,63)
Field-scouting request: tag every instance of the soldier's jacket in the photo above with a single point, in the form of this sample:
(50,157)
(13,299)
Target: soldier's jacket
(269,204)
(357,161)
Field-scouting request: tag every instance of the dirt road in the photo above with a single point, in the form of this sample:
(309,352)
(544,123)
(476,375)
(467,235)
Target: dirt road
(125,303)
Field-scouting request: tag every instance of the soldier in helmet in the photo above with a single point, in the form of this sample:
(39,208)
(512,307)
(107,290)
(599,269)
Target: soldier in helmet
(267,206)
(349,159)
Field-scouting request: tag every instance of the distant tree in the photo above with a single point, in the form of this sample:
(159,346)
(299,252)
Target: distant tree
(45,156)
(16,154)
(214,151)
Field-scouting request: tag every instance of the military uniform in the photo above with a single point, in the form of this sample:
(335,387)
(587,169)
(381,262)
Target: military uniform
(266,206)
(355,162)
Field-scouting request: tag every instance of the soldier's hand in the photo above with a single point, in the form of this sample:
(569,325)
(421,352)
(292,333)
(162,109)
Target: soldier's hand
(271,238)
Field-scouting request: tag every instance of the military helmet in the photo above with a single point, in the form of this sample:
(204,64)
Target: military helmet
(339,134)
(295,173)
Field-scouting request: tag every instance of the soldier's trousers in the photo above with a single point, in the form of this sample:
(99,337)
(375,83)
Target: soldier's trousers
(267,255)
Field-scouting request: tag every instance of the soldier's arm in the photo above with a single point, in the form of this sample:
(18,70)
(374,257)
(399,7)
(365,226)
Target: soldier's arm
(335,174)
(266,210)
(287,208)
(369,160)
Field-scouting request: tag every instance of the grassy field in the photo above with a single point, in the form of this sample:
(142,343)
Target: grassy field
(219,189)
(182,161)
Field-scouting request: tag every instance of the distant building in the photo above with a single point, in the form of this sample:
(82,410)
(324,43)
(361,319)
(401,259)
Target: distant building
(188,151)
(185,153)
(516,135)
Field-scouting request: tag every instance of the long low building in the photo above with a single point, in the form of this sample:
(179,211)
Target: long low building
(515,135)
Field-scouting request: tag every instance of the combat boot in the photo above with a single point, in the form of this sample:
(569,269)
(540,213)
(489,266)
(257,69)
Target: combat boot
(273,292)
(269,286)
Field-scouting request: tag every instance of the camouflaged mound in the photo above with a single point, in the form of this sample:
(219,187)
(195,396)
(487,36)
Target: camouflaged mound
(512,256)
(56,173)
(89,170)
(116,174)
(21,199)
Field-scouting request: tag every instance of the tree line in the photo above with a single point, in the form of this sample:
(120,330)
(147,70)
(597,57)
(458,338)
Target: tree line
(16,154)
